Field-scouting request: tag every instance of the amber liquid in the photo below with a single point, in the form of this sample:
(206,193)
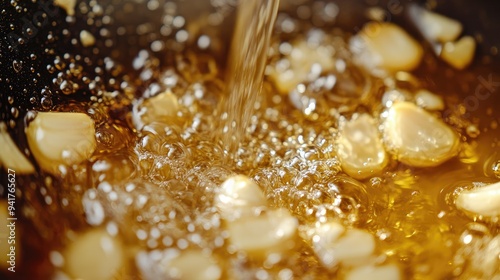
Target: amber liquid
(156,186)
(245,72)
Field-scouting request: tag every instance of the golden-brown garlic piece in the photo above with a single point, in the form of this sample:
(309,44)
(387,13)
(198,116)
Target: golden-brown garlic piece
(61,139)
(418,138)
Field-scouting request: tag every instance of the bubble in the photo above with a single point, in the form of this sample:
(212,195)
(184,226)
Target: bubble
(473,131)
(46,102)
(14,112)
(477,258)
(491,166)
(111,137)
(204,42)
(93,209)
(113,168)
(17,65)
(161,172)
(496,168)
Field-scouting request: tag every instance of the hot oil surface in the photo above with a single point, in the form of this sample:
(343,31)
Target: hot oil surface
(153,187)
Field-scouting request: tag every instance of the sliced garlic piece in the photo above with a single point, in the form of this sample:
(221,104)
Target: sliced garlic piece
(10,156)
(483,201)
(296,68)
(239,196)
(386,46)
(94,255)
(418,138)
(159,108)
(87,38)
(360,148)
(429,100)
(61,139)
(193,265)
(459,54)
(435,27)
(270,232)
(333,244)
(383,272)
(67,5)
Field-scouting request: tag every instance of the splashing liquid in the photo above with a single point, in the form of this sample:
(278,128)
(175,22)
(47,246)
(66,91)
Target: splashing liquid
(247,61)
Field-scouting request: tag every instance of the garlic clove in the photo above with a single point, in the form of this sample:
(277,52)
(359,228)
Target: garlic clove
(354,246)
(299,65)
(459,54)
(333,244)
(383,272)
(417,138)
(323,237)
(270,232)
(433,26)
(386,46)
(61,139)
(94,255)
(162,107)
(239,196)
(10,156)
(193,265)
(67,5)
(483,201)
(429,100)
(360,148)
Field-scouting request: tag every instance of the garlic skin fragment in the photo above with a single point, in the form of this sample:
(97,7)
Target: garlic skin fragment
(360,149)
(386,46)
(301,60)
(383,272)
(417,138)
(334,244)
(483,201)
(67,5)
(94,255)
(61,139)
(433,26)
(238,197)
(193,265)
(459,54)
(259,236)
(10,156)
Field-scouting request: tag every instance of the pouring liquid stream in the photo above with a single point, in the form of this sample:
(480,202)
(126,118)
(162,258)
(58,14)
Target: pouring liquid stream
(247,60)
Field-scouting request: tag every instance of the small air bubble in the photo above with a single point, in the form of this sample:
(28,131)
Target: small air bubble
(181,36)
(178,22)
(17,65)
(496,169)
(56,259)
(157,46)
(141,234)
(14,112)
(203,42)
(473,131)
